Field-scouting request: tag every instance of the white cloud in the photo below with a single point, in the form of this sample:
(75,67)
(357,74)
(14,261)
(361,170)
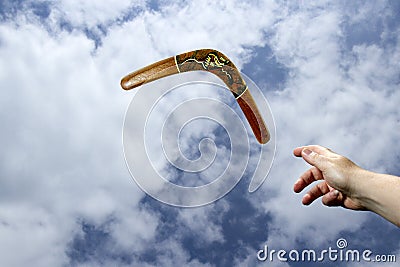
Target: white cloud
(91,13)
(32,236)
(62,157)
(174,254)
(205,222)
(350,109)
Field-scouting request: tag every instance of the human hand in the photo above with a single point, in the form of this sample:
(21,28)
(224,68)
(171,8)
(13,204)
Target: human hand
(339,176)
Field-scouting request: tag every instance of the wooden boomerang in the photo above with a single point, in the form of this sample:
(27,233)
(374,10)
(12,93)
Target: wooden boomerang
(205,60)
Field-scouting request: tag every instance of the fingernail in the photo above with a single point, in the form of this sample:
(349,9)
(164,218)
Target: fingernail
(336,193)
(307,151)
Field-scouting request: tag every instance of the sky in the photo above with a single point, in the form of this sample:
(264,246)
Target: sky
(330,71)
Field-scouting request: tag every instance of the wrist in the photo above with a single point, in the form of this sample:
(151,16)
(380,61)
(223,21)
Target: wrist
(361,187)
(379,193)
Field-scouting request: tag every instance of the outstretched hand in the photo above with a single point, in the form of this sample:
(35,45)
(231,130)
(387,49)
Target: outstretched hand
(337,173)
(345,184)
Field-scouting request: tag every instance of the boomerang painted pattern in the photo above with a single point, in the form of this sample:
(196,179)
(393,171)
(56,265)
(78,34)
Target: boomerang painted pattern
(205,60)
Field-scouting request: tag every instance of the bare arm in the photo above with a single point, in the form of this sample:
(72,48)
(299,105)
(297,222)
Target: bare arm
(346,184)
(380,193)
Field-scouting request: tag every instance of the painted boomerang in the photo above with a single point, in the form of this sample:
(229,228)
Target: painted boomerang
(205,60)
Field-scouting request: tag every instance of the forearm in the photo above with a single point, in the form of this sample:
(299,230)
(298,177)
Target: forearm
(379,193)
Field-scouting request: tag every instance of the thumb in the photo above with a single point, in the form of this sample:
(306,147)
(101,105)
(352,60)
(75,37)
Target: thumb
(314,158)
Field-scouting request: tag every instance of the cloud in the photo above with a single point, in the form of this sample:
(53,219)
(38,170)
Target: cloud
(62,145)
(93,13)
(339,98)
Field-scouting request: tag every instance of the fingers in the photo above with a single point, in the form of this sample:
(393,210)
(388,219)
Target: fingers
(320,158)
(330,197)
(315,155)
(315,192)
(314,158)
(333,198)
(310,176)
(297,151)
(316,148)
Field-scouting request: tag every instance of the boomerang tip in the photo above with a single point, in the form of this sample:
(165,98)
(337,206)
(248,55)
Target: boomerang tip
(264,138)
(127,83)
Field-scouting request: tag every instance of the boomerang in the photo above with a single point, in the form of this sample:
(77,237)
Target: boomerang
(205,60)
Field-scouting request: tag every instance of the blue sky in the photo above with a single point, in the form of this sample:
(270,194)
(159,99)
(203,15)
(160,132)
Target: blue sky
(330,72)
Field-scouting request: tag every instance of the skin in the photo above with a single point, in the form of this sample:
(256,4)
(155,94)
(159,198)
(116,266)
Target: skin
(346,184)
